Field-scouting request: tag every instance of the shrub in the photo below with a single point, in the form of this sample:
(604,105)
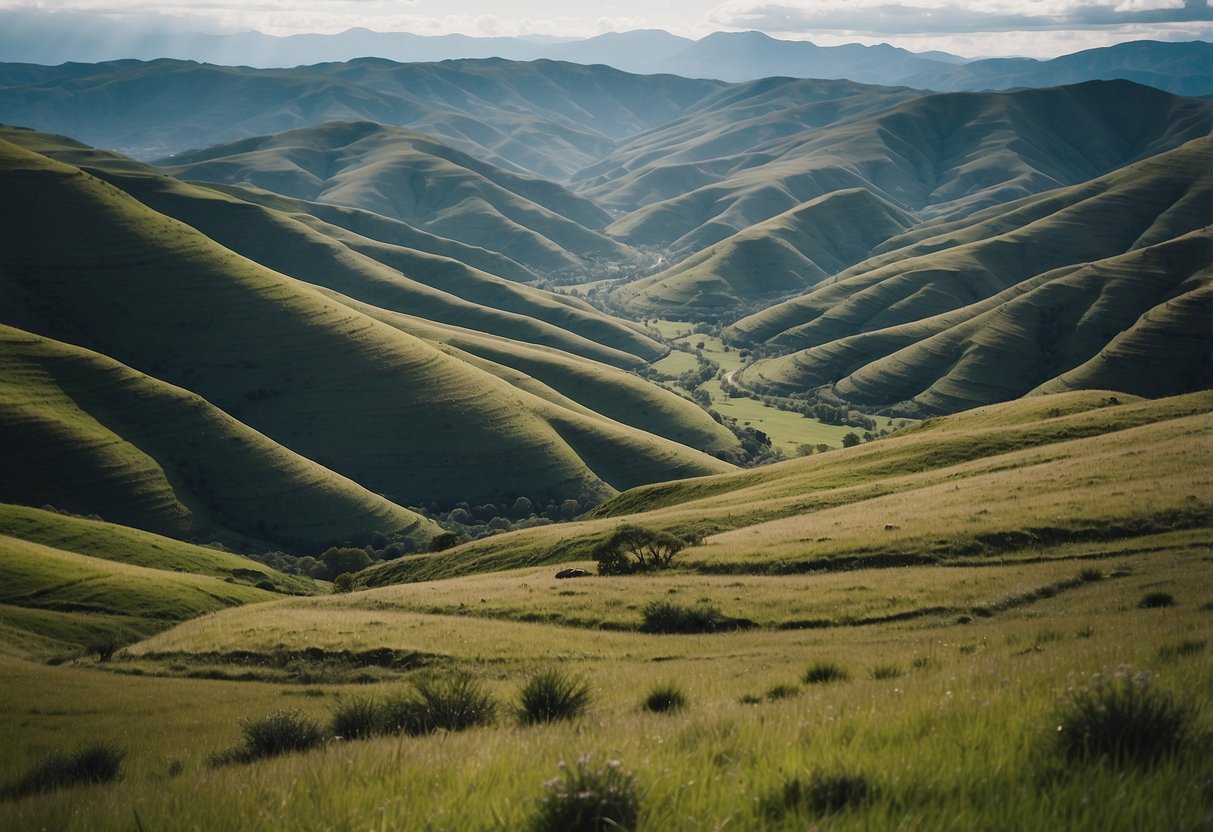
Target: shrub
(551,695)
(453,703)
(636,549)
(821,794)
(357,719)
(445,540)
(886,671)
(104,647)
(1156,599)
(1123,716)
(339,561)
(1090,575)
(281,732)
(665,697)
(96,763)
(820,673)
(667,618)
(587,799)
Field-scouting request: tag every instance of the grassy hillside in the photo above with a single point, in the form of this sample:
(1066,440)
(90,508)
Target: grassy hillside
(1027,538)
(386,274)
(404,175)
(84,433)
(357,396)
(589,387)
(1012,454)
(953,315)
(941,155)
(122,544)
(772,258)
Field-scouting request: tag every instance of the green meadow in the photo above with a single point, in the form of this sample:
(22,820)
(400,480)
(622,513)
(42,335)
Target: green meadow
(901,627)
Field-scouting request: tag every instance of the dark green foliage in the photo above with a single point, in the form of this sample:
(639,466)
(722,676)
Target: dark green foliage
(1156,599)
(821,794)
(820,673)
(551,695)
(444,541)
(282,732)
(344,582)
(636,549)
(1121,715)
(669,618)
(104,647)
(452,703)
(357,719)
(886,671)
(1090,575)
(347,559)
(851,440)
(96,763)
(587,799)
(665,697)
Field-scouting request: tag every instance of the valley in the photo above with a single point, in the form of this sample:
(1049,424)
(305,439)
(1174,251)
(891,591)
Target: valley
(873,426)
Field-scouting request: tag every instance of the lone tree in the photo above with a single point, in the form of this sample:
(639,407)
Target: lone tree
(636,549)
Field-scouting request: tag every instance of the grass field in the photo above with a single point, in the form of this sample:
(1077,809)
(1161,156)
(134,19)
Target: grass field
(788,430)
(973,574)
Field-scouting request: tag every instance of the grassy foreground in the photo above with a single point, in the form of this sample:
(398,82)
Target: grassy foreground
(845,691)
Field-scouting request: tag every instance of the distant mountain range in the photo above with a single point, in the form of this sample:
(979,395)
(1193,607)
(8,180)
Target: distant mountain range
(37,37)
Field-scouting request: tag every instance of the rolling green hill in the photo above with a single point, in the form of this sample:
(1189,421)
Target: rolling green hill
(89,435)
(404,175)
(1050,470)
(123,544)
(953,315)
(386,274)
(769,259)
(361,398)
(937,156)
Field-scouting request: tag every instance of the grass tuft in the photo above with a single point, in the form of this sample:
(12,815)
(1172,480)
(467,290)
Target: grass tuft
(583,798)
(552,695)
(886,671)
(281,732)
(823,672)
(665,697)
(357,719)
(452,703)
(1121,715)
(96,763)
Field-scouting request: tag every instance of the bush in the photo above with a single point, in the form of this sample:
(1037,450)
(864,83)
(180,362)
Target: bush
(453,703)
(357,719)
(667,618)
(282,732)
(820,673)
(1156,599)
(636,549)
(96,763)
(104,647)
(665,697)
(339,561)
(886,671)
(1123,716)
(821,794)
(586,799)
(551,695)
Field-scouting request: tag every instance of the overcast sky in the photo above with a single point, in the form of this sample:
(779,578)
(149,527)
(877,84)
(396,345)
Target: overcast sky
(977,28)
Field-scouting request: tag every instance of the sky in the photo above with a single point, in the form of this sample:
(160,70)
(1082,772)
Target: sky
(977,28)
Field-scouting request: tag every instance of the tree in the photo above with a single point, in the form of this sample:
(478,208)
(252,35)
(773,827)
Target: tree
(636,549)
(445,540)
(346,559)
(850,440)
